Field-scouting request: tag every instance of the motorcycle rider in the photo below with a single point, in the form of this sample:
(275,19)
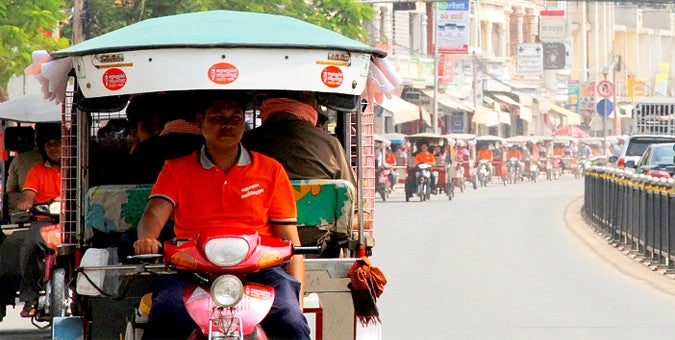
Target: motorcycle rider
(256,197)
(424,156)
(390,162)
(485,154)
(515,153)
(43,184)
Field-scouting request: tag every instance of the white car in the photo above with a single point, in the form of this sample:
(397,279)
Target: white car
(634,146)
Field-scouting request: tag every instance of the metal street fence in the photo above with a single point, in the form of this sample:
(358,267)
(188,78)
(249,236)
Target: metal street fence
(636,211)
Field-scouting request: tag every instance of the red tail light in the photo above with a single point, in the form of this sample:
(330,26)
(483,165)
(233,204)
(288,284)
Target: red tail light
(621,163)
(658,173)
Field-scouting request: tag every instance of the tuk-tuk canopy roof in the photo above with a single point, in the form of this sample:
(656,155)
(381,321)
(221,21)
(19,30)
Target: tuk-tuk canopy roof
(30,108)
(462,136)
(425,135)
(213,29)
(491,138)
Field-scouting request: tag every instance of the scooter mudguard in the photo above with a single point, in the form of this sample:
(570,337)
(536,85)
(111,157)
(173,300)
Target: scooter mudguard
(252,309)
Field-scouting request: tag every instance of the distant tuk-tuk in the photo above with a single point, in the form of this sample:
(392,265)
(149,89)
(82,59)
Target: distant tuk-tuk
(434,172)
(498,146)
(464,163)
(205,51)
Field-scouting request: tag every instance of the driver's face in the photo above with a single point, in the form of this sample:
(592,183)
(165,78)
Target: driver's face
(53,150)
(223,123)
(425,148)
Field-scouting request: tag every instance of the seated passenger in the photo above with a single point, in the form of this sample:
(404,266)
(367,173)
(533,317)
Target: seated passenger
(190,188)
(288,134)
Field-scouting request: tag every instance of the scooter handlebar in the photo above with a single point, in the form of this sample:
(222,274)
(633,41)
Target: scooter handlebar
(306,250)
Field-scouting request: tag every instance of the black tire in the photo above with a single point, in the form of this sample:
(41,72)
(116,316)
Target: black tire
(57,298)
(475,185)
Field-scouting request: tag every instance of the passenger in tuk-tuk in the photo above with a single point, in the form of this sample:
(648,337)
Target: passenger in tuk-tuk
(187,189)
(43,184)
(288,134)
(18,170)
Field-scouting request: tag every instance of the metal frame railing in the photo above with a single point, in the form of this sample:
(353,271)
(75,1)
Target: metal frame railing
(636,212)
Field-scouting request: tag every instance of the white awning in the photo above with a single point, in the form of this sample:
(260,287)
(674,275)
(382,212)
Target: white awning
(504,117)
(485,116)
(401,110)
(573,118)
(505,99)
(525,113)
(448,100)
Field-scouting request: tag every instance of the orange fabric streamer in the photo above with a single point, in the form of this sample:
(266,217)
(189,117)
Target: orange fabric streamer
(294,107)
(367,284)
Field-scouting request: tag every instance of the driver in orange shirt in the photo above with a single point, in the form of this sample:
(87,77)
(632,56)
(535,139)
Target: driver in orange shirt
(485,154)
(424,156)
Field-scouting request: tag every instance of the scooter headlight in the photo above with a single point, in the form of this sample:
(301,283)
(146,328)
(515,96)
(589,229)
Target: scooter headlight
(227,291)
(226,252)
(55,208)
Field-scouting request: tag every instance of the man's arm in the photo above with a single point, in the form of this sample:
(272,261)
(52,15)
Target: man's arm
(157,212)
(26,200)
(297,266)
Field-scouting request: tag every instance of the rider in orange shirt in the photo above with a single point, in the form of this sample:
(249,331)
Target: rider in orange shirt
(485,154)
(424,156)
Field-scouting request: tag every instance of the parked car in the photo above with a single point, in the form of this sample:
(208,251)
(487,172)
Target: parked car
(634,146)
(657,161)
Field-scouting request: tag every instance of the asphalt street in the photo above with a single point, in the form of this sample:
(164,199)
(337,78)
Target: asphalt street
(514,262)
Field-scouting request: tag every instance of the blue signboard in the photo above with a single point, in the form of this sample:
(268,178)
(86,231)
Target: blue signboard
(604,107)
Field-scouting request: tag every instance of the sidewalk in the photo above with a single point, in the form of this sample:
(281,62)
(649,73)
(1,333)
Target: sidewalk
(597,244)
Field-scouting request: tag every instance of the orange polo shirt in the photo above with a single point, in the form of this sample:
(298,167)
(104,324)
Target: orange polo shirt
(45,180)
(390,159)
(425,157)
(484,155)
(254,194)
(515,154)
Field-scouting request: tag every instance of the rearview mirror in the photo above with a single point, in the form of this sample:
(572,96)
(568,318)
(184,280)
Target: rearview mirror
(613,159)
(630,164)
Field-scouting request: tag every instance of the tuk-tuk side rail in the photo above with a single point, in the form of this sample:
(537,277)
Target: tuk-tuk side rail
(336,268)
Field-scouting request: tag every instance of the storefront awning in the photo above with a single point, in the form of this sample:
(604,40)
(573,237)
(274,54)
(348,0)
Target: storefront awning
(485,116)
(504,117)
(525,113)
(401,110)
(448,101)
(573,118)
(505,99)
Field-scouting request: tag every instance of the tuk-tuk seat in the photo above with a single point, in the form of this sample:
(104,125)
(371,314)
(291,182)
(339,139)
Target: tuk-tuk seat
(325,208)
(114,208)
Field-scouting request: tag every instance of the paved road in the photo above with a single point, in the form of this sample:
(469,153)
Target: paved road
(500,263)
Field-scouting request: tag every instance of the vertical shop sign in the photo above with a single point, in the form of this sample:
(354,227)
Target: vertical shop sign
(452,26)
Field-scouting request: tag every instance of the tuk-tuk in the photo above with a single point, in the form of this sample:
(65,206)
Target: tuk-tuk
(250,53)
(435,144)
(464,159)
(565,148)
(498,146)
(20,118)
(530,156)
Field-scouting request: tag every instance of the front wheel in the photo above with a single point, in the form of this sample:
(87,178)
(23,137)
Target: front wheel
(57,300)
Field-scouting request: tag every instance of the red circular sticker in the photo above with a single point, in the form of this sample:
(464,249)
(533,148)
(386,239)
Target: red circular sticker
(114,79)
(223,73)
(332,76)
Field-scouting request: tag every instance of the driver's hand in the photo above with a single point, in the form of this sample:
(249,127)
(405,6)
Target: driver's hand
(147,246)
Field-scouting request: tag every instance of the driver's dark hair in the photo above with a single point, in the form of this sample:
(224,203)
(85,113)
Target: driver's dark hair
(44,132)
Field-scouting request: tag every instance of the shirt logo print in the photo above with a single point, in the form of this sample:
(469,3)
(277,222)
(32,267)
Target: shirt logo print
(253,189)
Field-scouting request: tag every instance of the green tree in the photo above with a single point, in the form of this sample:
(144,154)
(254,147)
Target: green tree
(26,26)
(343,16)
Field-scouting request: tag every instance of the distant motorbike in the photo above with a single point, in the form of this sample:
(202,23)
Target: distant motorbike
(383,182)
(423,175)
(483,172)
(513,166)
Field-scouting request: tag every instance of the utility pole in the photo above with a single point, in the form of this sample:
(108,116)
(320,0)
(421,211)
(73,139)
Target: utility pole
(78,21)
(434,116)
